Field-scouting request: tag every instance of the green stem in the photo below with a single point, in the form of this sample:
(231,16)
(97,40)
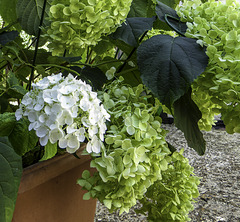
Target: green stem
(36,46)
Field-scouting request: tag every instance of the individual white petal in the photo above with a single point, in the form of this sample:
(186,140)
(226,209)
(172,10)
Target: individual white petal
(85,121)
(42,131)
(74,111)
(32,116)
(92,130)
(44,140)
(47,110)
(71,150)
(62,143)
(85,104)
(38,107)
(42,118)
(67,101)
(89,147)
(73,141)
(18,114)
(72,128)
(96,145)
(53,79)
(80,134)
(55,135)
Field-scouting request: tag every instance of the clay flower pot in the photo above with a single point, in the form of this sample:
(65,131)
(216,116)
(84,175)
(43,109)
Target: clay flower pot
(48,192)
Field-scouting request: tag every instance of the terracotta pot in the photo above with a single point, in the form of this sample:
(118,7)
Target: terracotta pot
(48,192)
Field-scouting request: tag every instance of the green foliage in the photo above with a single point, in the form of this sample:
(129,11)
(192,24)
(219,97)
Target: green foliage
(216,25)
(170,199)
(187,115)
(50,150)
(10,176)
(8,10)
(29,14)
(134,147)
(6,37)
(132,29)
(174,68)
(17,131)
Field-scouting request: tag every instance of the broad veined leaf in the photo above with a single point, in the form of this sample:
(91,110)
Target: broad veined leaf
(7,123)
(162,10)
(169,65)
(94,76)
(132,29)
(142,8)
(50,150)
(169,15)
(8,10)
(29,13)
(21,139)
(10,176)
(186,117)
(170,3)
(6,37)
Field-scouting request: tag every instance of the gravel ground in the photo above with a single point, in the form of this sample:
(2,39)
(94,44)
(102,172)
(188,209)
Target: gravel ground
(219,168)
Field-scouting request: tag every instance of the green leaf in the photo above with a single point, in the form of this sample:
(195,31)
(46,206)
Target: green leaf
(170,3)
(142,8)
(87,196)
(163,9)
(50,150)
(29,13)
(107,203)
(186,117)
(21,139)
(10,176)
(7,123)
(132,29)
(169,65)
(92,75)
(86,174)
(6,37)
(8,10)
(169,15)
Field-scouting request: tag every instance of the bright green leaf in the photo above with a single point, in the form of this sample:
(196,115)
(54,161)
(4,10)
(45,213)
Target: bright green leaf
(50,150)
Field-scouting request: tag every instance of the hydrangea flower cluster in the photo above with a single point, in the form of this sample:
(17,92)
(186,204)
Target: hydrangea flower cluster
(67,111)
(76,24)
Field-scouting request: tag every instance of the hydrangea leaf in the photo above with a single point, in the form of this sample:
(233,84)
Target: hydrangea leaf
(50,150)
(141,8)
(29,14)
(7,123)
(21,139)
(10,176)
(8,10)
(169,65)
(131,30)
(186,117)
(6,37)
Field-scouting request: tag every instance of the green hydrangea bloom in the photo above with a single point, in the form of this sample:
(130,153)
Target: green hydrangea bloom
(77,24)
(216,25)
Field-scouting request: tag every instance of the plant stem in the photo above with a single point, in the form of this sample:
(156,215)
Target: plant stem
(36,46)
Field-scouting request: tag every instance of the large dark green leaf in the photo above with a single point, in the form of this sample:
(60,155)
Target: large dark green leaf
(29,14)
(169,15)
(186,117)
(169,65)
(6,37)
(142,8)
(7,123)
(92,75)
(170,3)
(132,29)
(10,176)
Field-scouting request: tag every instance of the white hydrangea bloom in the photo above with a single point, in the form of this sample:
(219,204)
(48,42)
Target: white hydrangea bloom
(65,110)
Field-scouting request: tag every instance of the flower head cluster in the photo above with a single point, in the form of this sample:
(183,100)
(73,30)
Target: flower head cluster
(65,110)
(77,24)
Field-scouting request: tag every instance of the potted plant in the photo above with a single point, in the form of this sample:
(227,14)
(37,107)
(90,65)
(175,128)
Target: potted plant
(100,73)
